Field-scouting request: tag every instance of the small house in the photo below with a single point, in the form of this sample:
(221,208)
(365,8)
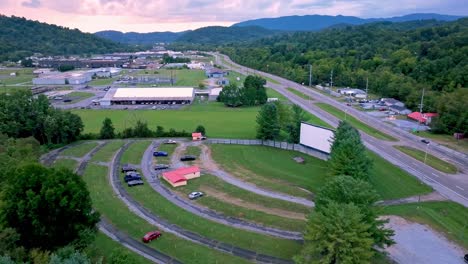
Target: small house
(174,178)
(425,118)
(189,172)
(196,136)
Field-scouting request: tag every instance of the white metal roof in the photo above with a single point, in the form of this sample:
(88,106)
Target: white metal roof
(149,93)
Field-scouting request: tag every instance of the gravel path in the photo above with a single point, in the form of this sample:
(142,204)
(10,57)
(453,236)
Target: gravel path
(416,243)
(156,184)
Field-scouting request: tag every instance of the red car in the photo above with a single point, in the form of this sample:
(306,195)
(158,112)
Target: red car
(150,236)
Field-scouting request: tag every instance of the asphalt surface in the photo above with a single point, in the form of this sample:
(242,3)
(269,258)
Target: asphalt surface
(452,186)
(138,209)
(154,181)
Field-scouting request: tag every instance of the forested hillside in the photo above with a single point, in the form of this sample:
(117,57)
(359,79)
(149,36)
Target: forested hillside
(400,59)
(221,35)
(20,38)
(139,38)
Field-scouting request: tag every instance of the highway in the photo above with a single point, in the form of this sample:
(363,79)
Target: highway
(452,186)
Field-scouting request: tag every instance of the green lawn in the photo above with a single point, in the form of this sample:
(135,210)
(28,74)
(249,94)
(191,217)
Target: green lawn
(169,148)
(78,96)
(79,150)
(233,78)
(446,140)
(193,150)
(185,77)
(104,247)
(272,93)
(105,154)
(135,151)
(209,184)
(300,94)
(115,211)
(157,204)
(272,168)
(102,82)
(275,169)
(356,123)
(65,163)
(22,76)
(392,182)
(432,161)
(447,217)
(10,89)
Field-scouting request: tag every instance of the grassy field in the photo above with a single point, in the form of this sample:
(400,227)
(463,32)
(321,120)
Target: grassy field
(298,93)
(135,151)
(105,154)
(107,203)
(24,75)
(185,77)
(233,201)
(275,169)
(356,123)
(78,96)
(10,89)
(447,217)
(104,247)
(446,140)
(65,163)
(79,150)
(154,202)
(102,82)
(193,150)
(232,77)
(169,148)
(432,161)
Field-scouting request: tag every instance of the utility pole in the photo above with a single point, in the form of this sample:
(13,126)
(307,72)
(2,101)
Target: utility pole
(422,102)
(367,87)
(331,79)
(310,75)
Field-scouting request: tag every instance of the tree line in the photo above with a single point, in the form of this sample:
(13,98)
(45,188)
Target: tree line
(399,59)
(252,93)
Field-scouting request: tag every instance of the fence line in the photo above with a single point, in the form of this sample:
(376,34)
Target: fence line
(271,143)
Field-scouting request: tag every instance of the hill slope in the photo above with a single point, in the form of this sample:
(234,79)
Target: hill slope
(318,22)
(220,35)
(20,38)
(139,38)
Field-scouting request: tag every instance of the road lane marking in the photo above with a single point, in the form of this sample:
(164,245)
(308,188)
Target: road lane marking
(459,187)
(414,163)
(435,175)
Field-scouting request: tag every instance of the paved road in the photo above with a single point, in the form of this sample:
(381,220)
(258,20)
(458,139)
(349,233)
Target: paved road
(454,187)
(153,180)
(138,209)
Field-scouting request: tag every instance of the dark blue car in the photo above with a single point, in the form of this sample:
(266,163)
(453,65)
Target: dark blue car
(160,154)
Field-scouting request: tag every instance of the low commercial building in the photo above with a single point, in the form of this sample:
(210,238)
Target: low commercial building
(63,78)
(399,109)
(136,96)
(424,118)
(180,176)
(215,73)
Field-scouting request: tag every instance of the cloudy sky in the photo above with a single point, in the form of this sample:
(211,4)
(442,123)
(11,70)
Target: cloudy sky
(178,15)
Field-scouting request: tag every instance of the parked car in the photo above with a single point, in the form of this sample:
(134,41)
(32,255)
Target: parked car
(170,141)
(132,176)
(188,158)
(135,183)
(195,195)
(161,167)
(127,168)
(150,236)
(203,138)
(67,100)
(425,141)
(466,258)
(160,154)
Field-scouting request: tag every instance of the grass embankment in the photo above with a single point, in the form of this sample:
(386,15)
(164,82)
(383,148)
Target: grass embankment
(102,82)
(79,150)
(298,93)
(106,152)
(78,96)
(65,163)
(275,169)
(232,201)
(356,123)
(135,151)
(184,77)
(160,206)
(432,161)
(116,212)
(447,217)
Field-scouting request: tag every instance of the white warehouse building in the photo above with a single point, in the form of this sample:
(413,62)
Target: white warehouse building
(135,96)
(63,78)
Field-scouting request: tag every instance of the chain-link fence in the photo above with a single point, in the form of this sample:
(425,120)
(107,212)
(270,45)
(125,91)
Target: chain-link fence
(271,143)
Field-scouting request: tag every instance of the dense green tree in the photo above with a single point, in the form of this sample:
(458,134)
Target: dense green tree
(75,258)
(453,113)
(121,257)
(294,128)
(201,129)
(141,129)
(47,207)
(336,234)
(16,152)
(254,91)
(346,189)
(268,126)
(231,95)
(348,153)
(107,129)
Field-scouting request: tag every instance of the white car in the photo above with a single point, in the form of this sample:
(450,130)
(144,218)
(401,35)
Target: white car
(170,141)
(195,195)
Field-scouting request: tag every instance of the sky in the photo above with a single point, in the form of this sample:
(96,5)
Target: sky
(179,15)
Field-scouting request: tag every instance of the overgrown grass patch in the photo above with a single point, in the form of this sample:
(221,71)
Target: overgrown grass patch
(431,160)
(65,163)
(447,217)
(356,123)
(135,151)
(116,212)
(169,148)
(105,153)
(79,150)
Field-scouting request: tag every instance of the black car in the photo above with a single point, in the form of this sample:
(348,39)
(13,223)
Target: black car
(188,158)
(127,168)
(425,141)
(466,258)
(161,167)
(135,183)
(132,176)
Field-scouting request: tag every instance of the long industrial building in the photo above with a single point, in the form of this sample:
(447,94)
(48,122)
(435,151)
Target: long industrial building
(135,96)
